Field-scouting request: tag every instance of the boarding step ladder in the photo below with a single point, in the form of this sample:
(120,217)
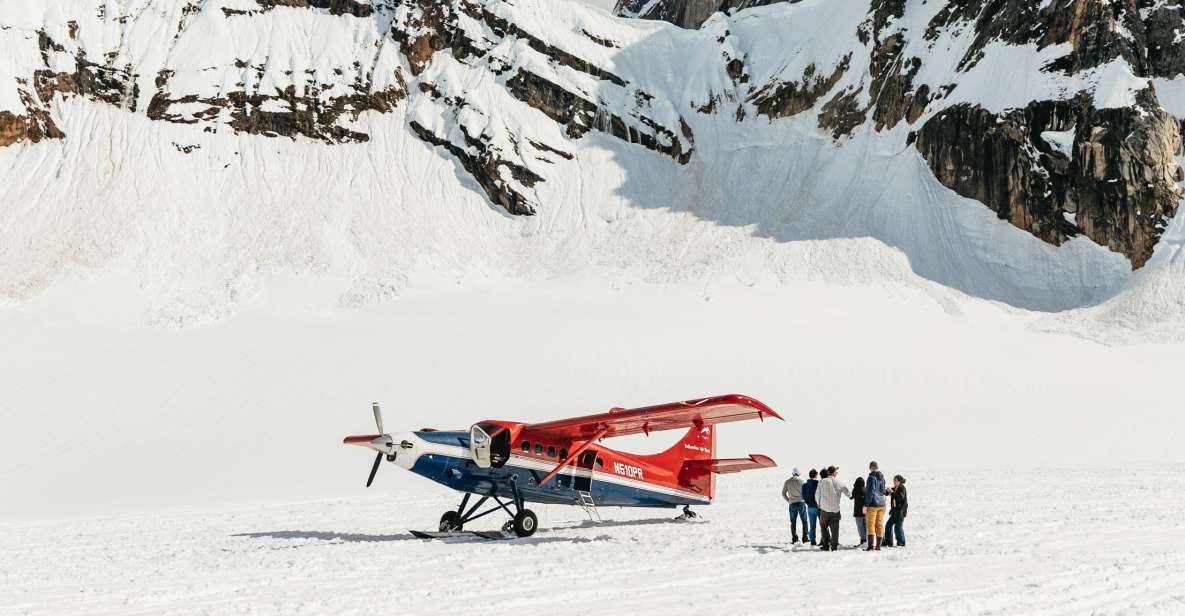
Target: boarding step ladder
(586,502)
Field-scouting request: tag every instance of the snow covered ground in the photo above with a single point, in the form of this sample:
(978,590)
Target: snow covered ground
(1036,540)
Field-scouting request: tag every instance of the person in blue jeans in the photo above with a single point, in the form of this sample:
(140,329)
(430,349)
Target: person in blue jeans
(792,492)
(812,506)
(898,507)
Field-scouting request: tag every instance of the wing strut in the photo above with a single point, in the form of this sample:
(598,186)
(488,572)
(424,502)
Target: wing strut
(573,455)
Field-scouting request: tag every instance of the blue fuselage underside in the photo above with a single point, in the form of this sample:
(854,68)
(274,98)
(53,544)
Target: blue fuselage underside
(462,474)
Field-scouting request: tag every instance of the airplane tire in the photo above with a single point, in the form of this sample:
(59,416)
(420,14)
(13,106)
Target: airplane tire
(525,523)
(450,522)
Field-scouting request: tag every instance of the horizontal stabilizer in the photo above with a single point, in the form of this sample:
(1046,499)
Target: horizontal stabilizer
(730,465)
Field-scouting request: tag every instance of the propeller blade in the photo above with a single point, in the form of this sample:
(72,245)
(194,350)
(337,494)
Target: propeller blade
(378,458)
(378,417)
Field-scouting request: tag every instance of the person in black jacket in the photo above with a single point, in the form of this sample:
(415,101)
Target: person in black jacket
(897,510)
(858,509)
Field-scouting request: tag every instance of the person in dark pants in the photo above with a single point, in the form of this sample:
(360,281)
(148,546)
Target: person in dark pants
(898,507)
(858,509)
(830,497)
(812,506)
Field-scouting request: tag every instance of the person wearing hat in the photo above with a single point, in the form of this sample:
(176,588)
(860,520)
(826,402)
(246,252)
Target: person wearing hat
(830,497)
(874,506)
(792,492)
(898,508)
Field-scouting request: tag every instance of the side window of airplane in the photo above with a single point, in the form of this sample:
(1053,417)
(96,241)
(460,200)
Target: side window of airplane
(586,458)
(551,451)
(563,453)
(538,449)
(526,446)
(600,462)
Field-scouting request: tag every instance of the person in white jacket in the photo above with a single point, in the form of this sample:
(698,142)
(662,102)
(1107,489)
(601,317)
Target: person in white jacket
(830,500)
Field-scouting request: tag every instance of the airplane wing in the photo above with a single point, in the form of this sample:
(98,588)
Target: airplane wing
(672,416)
(730,465)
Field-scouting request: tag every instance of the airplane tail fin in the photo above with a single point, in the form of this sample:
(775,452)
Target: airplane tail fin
(693,460)
(697,446)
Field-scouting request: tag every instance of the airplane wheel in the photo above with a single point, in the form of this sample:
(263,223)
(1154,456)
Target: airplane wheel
(525,523)
(450,522)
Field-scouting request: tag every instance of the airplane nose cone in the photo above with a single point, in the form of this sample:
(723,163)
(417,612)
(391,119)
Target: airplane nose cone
(383,443)
(406,446)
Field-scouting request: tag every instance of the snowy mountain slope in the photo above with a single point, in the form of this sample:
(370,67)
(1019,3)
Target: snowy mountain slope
(206,146)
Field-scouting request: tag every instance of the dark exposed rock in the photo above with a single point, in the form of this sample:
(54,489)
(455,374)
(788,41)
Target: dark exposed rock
(1139,31)
(335,7)
(33,126)
(1118,182)
(600,40)
(501,27)
(842,114)
(429,27)
(1165,51)
(486,169)
(685,13)
(546,148)
(15,128)
(780,99)
(579,116)
(311,113)
(112,85)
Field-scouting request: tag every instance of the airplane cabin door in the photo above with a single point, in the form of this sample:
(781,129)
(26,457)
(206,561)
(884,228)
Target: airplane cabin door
(583,472)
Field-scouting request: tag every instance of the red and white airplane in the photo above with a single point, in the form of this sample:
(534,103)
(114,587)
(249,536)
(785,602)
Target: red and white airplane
(562,462)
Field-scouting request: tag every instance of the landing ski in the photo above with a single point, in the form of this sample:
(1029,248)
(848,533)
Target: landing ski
(492,535)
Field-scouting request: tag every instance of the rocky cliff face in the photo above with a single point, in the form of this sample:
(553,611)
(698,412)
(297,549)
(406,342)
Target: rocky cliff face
(1060,168)
(1054,167)
(1047,113)
(685,13)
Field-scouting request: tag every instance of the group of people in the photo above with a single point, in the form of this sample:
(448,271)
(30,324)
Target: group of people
(819,498)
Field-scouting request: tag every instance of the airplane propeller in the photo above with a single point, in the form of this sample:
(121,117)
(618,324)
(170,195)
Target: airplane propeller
(378,457)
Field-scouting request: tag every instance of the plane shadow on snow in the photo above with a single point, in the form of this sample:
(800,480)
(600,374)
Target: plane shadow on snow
(326,536)
(612,523)
(330,537)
